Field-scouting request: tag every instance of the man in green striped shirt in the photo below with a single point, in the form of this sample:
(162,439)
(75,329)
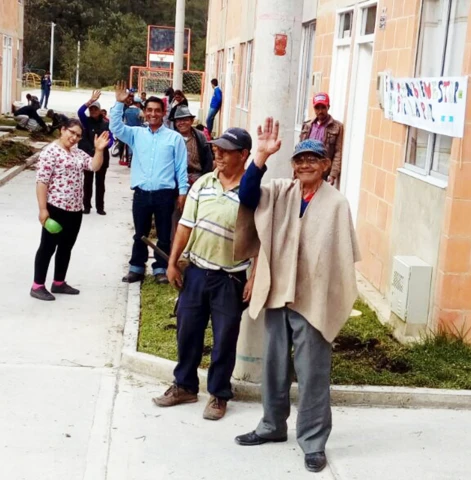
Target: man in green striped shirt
(215,285)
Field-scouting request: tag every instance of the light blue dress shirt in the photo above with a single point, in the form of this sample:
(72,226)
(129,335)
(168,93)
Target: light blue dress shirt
(160,158)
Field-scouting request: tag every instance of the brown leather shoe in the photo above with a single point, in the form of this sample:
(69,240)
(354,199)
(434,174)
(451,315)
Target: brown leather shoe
(215,408)
(175,396)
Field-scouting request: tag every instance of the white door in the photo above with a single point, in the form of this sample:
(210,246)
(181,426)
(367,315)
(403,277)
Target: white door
(354,140)
(341,63)
(7,74)
(227,93)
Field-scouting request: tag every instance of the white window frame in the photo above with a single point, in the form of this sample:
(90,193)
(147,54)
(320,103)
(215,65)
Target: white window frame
(248,75)
(242,62)
(305,72)
(427,172)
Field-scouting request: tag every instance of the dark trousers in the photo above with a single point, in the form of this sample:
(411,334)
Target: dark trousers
(99,189)
(208,293)
(160,205)
(61,243)
(285,329)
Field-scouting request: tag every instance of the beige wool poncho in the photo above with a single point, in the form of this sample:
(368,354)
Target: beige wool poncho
(306,264)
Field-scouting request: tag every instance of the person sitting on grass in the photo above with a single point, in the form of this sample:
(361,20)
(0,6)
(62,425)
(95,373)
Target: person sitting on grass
(58,120)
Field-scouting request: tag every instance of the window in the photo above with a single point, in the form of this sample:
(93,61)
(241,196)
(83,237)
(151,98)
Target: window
(19,60)
(245,76)
(307,54)
(368,23)
(248,75)
(440,53)
(220,72)
(345,24)
(243,53)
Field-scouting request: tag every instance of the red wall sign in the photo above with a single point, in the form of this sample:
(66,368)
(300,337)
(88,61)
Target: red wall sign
(281,41)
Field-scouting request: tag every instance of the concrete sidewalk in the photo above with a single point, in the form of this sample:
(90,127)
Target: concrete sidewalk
(68,412)
(152,443)
(58,360)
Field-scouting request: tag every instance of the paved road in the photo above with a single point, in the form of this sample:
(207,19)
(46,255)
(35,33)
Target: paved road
(68,412)
(70,101)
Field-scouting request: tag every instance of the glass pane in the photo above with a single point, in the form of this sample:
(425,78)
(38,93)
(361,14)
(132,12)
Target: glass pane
(417,148)
(306,71)
(441,154)
(432,38)
(369,20)
(456,37)
(345,25)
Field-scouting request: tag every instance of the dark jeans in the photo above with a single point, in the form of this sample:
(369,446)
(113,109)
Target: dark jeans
(44,97)
(208,293)
(99,189)
(63,242)
(160,204)
(210,120)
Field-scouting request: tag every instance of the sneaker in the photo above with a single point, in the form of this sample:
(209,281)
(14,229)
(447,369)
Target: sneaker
(65,289)
(161,279)
(215,408)
(42,294)
(175,396)
(101,212)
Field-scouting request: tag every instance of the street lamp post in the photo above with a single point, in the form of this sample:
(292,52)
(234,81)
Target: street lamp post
(179,45)
(51,61)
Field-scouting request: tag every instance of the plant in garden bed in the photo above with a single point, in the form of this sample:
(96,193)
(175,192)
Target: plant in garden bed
(364,353)
(14,153)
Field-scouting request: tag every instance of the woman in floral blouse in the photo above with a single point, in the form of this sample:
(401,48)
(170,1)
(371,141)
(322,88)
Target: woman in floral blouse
(59,188)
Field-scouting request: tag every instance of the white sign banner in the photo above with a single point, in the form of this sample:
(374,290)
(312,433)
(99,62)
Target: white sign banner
(437,105)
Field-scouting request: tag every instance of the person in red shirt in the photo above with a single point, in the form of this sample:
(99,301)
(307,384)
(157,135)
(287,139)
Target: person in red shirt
(327,130)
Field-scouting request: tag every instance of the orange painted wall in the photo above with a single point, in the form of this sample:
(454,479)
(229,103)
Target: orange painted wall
(11,26)
(452,309)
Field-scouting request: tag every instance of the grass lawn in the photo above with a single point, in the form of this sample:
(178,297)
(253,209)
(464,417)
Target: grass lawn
(365,352)
(14,153)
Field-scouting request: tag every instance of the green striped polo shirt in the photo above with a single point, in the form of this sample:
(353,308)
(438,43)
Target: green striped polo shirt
(211,213)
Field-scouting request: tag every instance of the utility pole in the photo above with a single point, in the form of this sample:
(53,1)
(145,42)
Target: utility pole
(51,61)
(78,66)
(179,45)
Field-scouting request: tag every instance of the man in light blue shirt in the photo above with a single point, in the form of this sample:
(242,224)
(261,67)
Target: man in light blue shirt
(158,171)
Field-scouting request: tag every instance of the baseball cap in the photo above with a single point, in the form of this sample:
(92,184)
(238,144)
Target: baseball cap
(321,99)
(234,139)
(315,147)
(95,104)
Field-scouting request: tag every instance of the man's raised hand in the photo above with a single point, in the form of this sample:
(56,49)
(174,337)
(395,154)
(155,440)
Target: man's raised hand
(268,141)
(121,92)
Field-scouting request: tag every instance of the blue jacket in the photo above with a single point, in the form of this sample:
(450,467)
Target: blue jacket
(46,83)
(216,101)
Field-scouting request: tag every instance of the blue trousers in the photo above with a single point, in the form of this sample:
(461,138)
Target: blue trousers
(44,97)
(210,120)
(147,204)
(208,293)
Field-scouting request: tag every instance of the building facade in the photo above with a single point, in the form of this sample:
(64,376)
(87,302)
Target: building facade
(11,53)
(409,189)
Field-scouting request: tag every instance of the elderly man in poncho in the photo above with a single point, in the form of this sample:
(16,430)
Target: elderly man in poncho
(303,234)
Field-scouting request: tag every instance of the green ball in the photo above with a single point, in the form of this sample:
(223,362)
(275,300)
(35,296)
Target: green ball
(52,226)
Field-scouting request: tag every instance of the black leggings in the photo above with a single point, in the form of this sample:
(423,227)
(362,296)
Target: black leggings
(63,241)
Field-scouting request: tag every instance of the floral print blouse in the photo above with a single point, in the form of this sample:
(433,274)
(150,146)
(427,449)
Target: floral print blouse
(62,172)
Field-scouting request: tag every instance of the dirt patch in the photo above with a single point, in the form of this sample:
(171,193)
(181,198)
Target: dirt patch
(14,153)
